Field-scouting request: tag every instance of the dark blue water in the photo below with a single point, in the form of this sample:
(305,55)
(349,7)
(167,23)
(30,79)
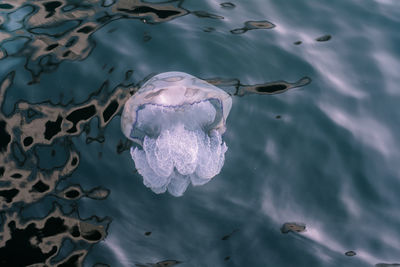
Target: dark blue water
(311,175)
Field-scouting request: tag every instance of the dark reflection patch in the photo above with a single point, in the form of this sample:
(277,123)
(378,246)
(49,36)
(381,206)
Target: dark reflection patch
(100,138)
(74,231)
(39,240)
(23,242)
(66,53)
(81,114)
(74,161)
(52,128)
(226,237)
(75,192)
(272,87)
(235,87)
(92,235)
(150,12)
(350,253)
(253,25)
(293,227)
(128,74)
(71,41)
(72,193)
(204,14)
(146,37)
(110,110)
(228,5)
(5,138)
(40,187)
(166,263)
(72,261)
(6,6)
(387,264)
(50,7)
(208,29)
(324,38)
(124,145)
(8,195)
(143,10)
(51,47)
(16,175)
(86,29)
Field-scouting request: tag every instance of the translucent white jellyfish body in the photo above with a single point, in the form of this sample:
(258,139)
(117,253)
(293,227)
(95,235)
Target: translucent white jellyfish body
(177,121)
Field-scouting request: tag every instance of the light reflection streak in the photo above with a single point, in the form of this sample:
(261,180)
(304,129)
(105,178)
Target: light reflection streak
(390,67)
(369,131)
(119,253)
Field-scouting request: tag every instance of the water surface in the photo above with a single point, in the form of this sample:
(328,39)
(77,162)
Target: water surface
(311,176)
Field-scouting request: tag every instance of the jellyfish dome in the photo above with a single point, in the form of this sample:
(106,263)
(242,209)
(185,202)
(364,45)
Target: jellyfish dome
(176,121)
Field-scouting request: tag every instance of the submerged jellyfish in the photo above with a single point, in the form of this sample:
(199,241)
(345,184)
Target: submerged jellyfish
(177,122)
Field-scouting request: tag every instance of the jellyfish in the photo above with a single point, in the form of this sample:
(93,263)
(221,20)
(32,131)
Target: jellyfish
(176,122)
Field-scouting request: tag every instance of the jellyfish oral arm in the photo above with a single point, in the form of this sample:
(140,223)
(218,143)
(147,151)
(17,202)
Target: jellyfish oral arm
(177,121)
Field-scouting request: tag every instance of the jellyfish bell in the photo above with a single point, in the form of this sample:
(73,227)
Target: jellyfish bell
(177,122)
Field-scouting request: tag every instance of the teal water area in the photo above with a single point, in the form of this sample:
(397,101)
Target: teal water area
(311,175)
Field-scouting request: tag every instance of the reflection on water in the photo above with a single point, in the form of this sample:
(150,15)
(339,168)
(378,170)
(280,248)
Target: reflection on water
(36,149)
(253,25)
(313,172)
(350,253)
(47,33)
(31,170)
(25,133)
(166,263)
(228,5)
(40,240)
(324,38)
(293,227)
